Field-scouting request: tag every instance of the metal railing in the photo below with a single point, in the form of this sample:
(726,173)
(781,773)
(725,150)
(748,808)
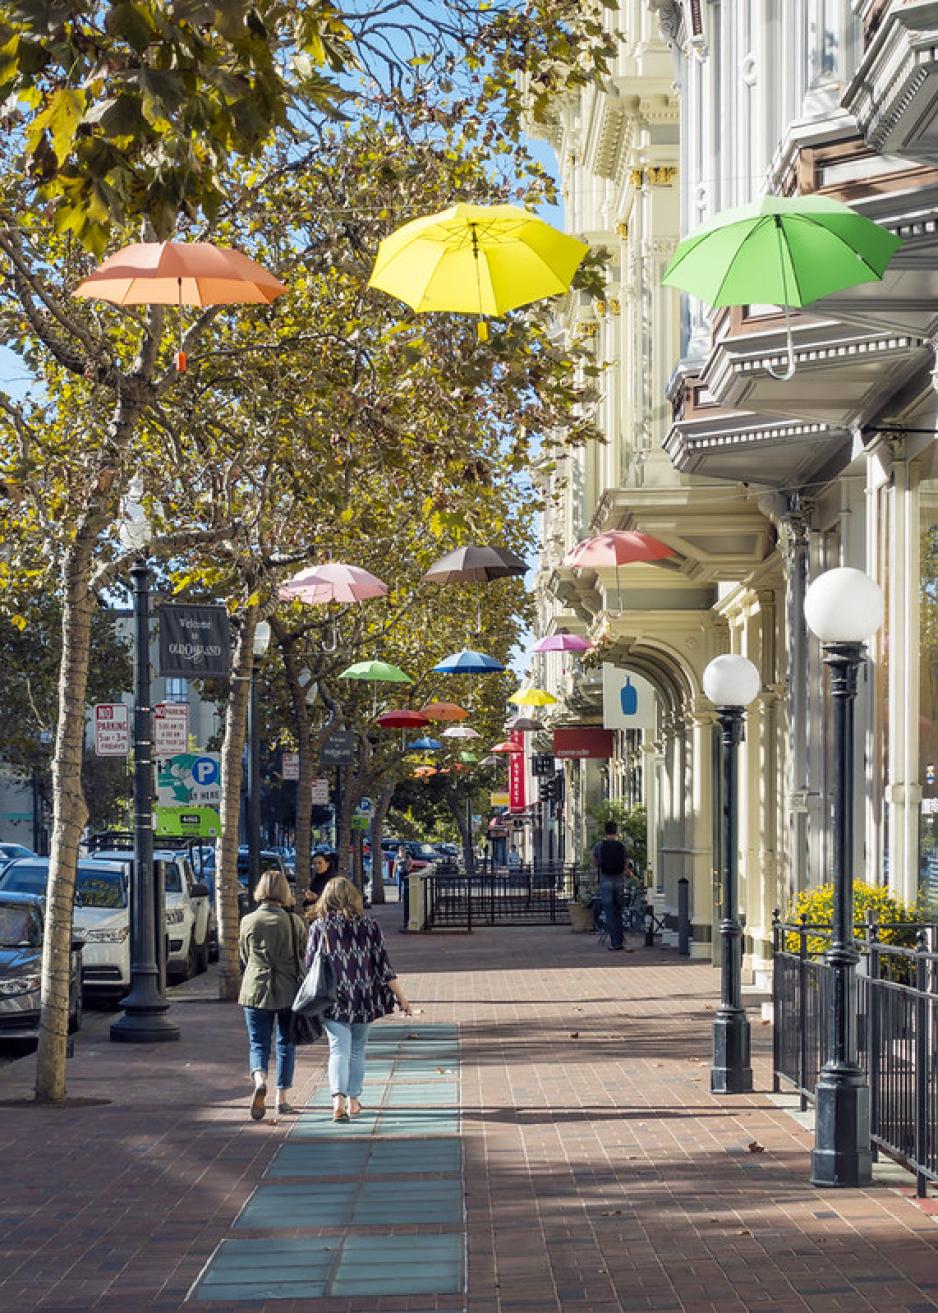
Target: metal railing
(530,896)
(897,1030)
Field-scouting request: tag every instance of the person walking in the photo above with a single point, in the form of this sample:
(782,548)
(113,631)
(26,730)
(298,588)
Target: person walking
(609,858)
(324,868)
(366,988)
(402,867)
(271,944)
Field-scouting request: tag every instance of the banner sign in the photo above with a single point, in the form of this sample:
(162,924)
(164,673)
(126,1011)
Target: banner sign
(111,729)
(338,749)
(628,700)
(203,822)
(584,742)
(516,791)
(290,765)
(189,779)
(170,728)
(320,794)
(194,642)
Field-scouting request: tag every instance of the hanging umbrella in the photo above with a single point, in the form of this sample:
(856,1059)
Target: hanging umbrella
(468,759)
(180,273)
(444,711)
(617,547)
(532,697)
(425,744)
(424,772)
(333,582)
(562,642)
(468,662)
(782,250)
(476,259)
(402,719)
(460,732)
(507,746)
(524,725)
(377,672)
(474,565)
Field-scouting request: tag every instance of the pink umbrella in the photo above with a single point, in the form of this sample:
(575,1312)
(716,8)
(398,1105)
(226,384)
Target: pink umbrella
(618,547)
(507,746)
(562,642)
(334,582)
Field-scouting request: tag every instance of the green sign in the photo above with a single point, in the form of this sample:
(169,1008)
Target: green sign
(360,822)
(202,822)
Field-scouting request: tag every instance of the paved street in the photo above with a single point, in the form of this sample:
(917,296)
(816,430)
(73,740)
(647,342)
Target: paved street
(599,1174)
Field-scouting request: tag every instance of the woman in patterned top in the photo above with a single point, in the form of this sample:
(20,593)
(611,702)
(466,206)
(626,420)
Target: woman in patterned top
(366,988)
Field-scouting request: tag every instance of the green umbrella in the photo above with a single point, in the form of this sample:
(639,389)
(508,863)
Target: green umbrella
(782,250)
(377,672)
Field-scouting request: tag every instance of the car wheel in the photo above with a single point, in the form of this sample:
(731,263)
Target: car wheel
(77,1014)
(201,958)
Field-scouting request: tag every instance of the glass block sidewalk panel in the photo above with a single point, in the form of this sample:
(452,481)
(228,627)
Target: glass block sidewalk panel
(418,1121)
(358,1158)
(293,1207)
(409,1203)
(248,1270)
(339,1158)
(428,1156)
(439,1092)
(399,1265)
(319,1124)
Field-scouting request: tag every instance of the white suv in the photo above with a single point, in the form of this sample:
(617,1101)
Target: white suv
(102,917)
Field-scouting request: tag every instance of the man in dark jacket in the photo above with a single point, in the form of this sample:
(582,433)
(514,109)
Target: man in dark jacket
(609,858)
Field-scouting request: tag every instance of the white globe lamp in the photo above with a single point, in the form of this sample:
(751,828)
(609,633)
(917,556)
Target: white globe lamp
(844,606)
(731,680)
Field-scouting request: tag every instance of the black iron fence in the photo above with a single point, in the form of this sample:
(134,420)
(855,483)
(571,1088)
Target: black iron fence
(529,895)
(897,1029)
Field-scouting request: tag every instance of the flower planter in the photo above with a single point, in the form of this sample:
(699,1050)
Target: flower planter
(581,918)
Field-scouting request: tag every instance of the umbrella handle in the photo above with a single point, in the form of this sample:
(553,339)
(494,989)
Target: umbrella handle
(789,370)
(332,645)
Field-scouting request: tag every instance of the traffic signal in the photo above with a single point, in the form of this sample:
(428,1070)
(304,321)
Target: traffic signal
(550,789)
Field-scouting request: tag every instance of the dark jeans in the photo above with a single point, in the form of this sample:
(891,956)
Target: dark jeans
(612,897)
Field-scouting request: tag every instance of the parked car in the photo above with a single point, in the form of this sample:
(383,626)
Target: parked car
(421,854)
(10,851)
(21,931)
(191,930)
(102,918)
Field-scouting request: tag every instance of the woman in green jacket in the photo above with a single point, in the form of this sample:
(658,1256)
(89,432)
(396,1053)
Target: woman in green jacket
(272,943)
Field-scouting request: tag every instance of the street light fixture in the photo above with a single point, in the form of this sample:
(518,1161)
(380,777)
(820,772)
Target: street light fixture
(145,1006)
(261,644)
(731,682)
(843,607)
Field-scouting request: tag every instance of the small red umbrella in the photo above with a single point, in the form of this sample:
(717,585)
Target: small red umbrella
(507,746)
(618,547)
(402,719)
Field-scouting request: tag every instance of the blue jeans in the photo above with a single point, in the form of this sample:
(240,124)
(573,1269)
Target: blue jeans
(260,1024)
(347,1042)
(612,896)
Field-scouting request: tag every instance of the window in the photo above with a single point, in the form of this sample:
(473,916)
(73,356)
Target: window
(177,690)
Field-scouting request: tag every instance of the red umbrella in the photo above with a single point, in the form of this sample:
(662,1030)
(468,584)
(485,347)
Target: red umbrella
(618,547)
(402,719)
(507,746)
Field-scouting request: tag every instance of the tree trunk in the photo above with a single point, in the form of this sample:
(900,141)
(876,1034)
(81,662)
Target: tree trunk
(69,814)
(457,805)
(232,752)
(307,758)
(344,828)
(375,832)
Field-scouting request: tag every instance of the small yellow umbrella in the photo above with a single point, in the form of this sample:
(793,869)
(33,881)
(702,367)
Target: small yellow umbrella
(533,697)
(476,259)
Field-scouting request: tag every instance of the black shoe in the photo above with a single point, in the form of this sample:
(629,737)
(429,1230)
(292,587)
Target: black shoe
(259,1103)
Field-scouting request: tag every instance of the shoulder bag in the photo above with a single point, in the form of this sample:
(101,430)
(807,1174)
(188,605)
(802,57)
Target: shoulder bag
(302,1029)
(317,993)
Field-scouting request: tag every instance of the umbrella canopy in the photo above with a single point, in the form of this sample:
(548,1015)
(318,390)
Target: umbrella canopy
(460,732)
(180,273)
(618,547)
(524,725)
(562,643)
(425,744)
(402,719)
(468,758)
(334,582)
(476,259)
(444,711)
(471,565)
(533,697)
(782,250)
(507,746)
(467,662)
(424,772)
(381,672)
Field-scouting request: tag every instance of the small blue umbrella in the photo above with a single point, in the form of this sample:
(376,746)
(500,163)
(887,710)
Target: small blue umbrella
(425,745)
(467,662)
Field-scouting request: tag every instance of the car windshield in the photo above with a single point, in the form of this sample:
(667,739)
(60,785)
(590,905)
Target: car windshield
(20,927)
(173,881)
(425,851)
(25,878)
(13,850)
(101,888)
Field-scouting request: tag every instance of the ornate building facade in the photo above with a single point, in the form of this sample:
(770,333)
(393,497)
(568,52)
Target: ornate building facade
(757,484)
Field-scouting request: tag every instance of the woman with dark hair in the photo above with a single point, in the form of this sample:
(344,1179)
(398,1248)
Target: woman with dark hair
(366,988)
(324,869)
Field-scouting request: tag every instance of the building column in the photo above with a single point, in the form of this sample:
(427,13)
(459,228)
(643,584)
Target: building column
(699,830)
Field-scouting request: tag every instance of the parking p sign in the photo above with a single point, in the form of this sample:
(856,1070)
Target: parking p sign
(189,779)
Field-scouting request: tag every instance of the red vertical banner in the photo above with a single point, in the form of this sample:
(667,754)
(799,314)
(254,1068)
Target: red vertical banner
(516,792)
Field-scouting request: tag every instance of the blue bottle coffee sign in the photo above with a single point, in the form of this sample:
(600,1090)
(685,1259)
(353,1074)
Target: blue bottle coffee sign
(628,700)
(628,695)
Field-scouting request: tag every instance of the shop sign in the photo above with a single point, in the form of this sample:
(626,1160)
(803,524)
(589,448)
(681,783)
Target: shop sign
(516,775)
(628,700)
(111,729)
(586,742)
(500,799)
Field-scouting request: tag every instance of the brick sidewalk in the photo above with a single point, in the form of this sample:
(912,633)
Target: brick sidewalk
(601,1176)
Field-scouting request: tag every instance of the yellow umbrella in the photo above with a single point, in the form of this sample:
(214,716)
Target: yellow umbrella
(533,697)
(476,259)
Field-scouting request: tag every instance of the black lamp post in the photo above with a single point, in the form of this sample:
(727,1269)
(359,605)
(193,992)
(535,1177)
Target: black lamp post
(261,644)
(145,1006)
(731,682)
(843,607)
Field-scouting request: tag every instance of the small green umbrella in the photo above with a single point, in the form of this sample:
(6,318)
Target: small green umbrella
(376,672)
(782,250)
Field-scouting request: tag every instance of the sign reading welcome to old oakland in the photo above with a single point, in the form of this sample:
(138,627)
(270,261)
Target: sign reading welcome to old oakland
(194,642)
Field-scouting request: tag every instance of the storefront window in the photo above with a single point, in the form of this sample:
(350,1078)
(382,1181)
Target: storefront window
(928,696)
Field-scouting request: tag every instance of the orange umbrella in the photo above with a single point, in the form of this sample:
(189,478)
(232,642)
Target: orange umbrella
(444,711)
(180,273)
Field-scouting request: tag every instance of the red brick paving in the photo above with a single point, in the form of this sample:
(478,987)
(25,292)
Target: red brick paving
(602,1176)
